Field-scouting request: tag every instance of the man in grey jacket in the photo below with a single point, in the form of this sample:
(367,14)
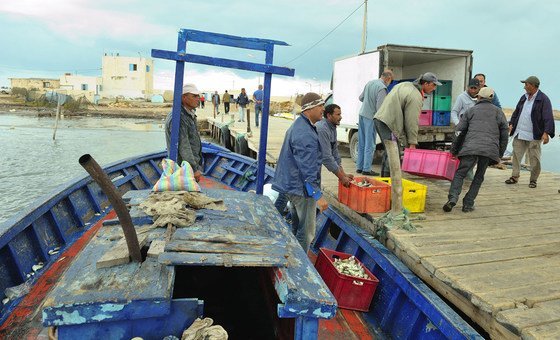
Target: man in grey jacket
(326,129)
(190,147)
(480,138)
(465,101)
(372,97)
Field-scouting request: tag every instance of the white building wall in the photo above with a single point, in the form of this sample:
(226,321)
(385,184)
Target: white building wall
(78,86)
(131,77)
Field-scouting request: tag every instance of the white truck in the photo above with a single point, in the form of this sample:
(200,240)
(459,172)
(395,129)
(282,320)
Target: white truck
(350,74)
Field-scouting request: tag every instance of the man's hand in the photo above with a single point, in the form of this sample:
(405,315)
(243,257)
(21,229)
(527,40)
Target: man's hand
(322,204)
(350,176)
(412,146)
(545,138)
(345,180)
(197,175)
(510,127)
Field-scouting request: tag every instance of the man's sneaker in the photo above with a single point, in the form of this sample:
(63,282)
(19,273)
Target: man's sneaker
(467,208)
(370,173)
(447,207)
(360,171)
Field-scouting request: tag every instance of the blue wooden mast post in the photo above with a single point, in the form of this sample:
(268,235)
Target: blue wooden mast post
(267,68)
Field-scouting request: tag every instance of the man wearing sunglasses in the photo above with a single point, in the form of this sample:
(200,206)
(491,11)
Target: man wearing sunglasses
(465,101)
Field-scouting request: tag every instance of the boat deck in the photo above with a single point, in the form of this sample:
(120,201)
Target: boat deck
(499,265)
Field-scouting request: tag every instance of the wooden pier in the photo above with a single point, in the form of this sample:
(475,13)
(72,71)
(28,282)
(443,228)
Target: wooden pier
(499,265)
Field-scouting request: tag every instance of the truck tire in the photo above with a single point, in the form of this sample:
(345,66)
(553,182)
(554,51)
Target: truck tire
(354,146)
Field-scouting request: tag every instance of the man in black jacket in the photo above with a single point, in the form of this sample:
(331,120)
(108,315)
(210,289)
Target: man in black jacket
(481,138)
(531,124)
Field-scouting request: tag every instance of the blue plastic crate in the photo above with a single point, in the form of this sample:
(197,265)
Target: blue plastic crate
(441,118)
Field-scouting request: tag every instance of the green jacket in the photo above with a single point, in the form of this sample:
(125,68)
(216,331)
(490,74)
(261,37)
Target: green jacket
(400,111)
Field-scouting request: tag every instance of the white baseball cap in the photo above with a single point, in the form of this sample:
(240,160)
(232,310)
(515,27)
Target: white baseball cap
(190,88)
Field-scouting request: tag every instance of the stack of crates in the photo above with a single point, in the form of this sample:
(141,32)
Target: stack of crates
(441,104)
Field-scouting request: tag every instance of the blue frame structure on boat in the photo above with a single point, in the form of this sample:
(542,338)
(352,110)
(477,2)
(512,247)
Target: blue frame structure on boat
(180,56)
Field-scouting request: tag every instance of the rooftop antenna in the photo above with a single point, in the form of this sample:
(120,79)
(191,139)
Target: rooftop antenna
(364,29)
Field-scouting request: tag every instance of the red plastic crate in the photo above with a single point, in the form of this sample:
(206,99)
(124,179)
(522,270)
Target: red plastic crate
(425,118)
(373,199)
(350,292)
(430,163)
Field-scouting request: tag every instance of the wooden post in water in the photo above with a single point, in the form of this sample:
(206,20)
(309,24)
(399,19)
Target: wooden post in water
(248,120)
(57,117)
(394,158)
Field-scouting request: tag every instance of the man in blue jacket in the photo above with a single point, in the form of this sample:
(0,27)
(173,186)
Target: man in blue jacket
(298,171)
(531,124)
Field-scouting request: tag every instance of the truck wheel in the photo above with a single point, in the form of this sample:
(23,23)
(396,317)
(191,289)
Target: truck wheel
(354,146)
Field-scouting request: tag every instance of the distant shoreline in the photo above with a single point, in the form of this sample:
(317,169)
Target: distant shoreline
(8,105)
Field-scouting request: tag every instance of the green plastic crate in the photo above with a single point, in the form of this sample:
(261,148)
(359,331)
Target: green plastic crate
(442,103)
(444,89)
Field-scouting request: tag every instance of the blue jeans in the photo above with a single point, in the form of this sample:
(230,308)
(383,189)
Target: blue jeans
(258,111)
(366,143)
(466,164)
(304,228)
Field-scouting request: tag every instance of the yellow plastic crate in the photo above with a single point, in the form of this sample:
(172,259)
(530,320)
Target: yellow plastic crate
(414,194)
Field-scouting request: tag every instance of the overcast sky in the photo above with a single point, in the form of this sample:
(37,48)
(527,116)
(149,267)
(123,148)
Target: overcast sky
(510,39)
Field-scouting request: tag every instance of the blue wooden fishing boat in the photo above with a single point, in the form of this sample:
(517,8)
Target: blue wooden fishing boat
(50,275)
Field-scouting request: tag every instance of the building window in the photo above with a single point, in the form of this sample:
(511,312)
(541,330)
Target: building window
(84,87)
(147,68)
(46,84)
(132,67)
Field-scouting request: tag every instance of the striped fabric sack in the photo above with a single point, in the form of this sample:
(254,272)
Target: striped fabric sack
(176,178)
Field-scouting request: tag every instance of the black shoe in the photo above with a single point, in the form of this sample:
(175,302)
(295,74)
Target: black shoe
(467,208)
(447,207)
(360,171)
(370,173)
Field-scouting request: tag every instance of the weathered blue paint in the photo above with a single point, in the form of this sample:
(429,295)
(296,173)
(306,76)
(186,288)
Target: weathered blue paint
(403,306)
(181,315)
(306,328)
(180,56)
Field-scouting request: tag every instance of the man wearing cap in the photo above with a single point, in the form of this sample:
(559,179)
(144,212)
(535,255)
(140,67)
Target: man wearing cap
(482,79)
(465,100)
(398,115)
(531,124)
(371,97)
(298,170)
(190,147)
(326,129)
(481,139)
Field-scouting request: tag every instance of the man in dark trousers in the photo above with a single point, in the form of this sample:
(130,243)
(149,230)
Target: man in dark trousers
(298,170)
(481,139)
(531,124)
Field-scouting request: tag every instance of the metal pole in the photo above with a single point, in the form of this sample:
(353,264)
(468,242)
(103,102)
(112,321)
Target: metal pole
(364,29)
(178,90)
(115,198)
(264,123)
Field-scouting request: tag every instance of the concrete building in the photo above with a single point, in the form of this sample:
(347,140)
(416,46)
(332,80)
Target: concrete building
(131,77)
(37,84)
(77,86)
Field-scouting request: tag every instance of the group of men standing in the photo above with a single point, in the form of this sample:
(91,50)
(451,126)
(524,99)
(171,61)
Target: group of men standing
(242,101)
(310,142)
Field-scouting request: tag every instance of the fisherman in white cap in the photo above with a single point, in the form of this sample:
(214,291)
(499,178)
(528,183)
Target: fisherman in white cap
(190,147)
(298,170)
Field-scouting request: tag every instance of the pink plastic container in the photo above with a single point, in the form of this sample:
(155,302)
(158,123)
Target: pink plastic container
(430,163)
(425,118)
